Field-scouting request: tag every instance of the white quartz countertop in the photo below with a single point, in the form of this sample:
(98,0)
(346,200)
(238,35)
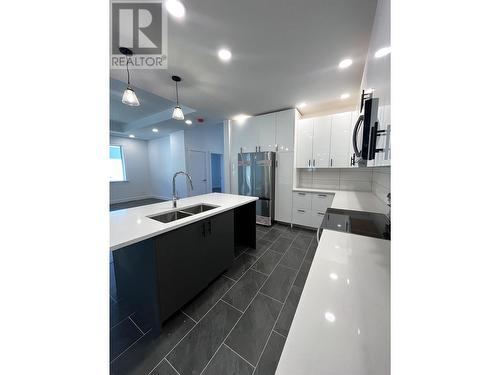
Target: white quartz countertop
(133,225)
(342,322)
(352,200)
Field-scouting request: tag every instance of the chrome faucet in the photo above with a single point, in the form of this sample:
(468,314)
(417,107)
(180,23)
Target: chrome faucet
(174,193)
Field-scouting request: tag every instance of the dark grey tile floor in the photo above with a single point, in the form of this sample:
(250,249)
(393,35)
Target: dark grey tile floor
(237,325)
(136,203)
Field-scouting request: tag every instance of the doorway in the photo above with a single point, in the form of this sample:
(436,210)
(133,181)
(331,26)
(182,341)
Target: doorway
(198,171)
(217,167)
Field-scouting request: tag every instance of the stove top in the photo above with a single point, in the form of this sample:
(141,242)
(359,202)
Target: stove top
(357,222)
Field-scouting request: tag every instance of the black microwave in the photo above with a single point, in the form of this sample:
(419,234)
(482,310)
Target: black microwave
(365,132)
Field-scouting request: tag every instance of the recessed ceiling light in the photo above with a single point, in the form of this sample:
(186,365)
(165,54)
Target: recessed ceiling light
(175,8)
(241,117)
(155,130)
(131,136)
(224,54)
(334,276)
(345,96)
(189,122)
(301,105)
(382,52)
(329,316)
(345,63)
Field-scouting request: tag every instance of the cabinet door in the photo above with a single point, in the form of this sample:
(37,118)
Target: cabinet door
(302,216)
(316,218)
(247,134)
(321,141)
(321,201)
(340,155)
(304,146)
(285,128)
(218,249)
(302,200)
(179,262)
(266,128)
(284,186)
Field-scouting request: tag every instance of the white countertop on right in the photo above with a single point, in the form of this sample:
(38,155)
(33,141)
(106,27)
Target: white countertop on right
(342,322)
(359,201)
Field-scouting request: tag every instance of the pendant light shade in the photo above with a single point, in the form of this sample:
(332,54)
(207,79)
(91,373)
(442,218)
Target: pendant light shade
(129,97)
(177,114)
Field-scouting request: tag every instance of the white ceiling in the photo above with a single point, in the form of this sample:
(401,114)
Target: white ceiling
(284,52)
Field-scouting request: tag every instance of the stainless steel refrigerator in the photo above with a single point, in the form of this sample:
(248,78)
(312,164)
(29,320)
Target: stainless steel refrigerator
(256,178)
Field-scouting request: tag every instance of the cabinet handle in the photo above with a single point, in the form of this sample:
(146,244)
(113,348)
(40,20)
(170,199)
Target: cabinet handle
(309,163)
(301,210)
(210,227)
(314,162)
(322,195)
(321,213)
(276,163)
(331,162)
(203,230)
(302,193)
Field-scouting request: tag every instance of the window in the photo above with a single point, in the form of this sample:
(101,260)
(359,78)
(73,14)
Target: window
(116,164)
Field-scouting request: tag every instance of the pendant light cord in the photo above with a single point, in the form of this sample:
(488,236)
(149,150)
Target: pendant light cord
(177,93)
(128,73)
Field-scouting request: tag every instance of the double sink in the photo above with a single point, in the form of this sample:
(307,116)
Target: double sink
(183,212)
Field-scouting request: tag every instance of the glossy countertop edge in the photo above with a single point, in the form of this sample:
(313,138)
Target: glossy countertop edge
(352,200)
(356,340)
(126,219)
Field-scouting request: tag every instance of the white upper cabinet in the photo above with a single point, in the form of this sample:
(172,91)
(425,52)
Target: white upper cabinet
(321,141)
(285,128)
(304,145)
(246,136)
(266,129)
(340,156)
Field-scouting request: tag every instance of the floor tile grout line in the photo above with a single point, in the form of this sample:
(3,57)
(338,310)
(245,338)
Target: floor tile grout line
(128,347)
(227,303)
(185,313)
(279,314)
(237,354)
(121,321)
(279,334)
(130,317)
(236,323)
(171,365)
(256,294)
(220,299)
(277,300)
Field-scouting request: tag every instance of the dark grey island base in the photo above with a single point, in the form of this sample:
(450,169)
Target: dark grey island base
(159,275)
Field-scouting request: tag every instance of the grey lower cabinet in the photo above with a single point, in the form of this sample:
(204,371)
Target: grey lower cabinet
(189,258)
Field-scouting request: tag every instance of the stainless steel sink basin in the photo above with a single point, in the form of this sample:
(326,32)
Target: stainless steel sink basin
(181,213)
(198,209)
(167,217)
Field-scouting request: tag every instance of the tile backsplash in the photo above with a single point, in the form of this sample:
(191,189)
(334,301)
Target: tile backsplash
(377,180)
(381,182)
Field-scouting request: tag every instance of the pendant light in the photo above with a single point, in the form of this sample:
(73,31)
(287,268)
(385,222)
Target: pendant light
(177,114)
(129,97)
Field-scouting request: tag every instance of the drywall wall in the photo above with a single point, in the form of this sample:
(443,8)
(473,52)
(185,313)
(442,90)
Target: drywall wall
(137,186)
(160,167)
